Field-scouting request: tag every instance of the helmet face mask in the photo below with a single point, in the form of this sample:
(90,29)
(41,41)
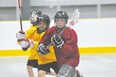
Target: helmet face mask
(34,15)
(33,19)
(42,25)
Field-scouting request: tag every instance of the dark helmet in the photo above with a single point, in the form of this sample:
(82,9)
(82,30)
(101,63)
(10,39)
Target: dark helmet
(34,15)
(45,18)
(36,12)
(62,15)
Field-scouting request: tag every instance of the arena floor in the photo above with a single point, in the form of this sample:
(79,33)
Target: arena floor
(100,65)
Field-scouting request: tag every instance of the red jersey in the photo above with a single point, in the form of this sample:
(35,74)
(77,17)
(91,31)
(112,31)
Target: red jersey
(69,53)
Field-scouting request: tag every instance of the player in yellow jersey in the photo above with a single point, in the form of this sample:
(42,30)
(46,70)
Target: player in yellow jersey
(46,61)
(30,39)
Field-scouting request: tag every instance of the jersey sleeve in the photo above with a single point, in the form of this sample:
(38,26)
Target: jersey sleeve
(70,45)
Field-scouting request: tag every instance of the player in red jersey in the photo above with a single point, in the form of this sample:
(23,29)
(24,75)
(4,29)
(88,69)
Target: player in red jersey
(65,42)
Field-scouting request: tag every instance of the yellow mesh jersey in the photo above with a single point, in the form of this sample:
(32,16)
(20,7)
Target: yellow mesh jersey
(32,34)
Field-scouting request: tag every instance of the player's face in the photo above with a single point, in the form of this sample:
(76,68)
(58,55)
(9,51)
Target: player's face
(60,22)
(42,25)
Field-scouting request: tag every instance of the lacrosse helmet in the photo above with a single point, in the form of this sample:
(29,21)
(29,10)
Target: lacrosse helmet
(45,18)
(62,15)
(34,15)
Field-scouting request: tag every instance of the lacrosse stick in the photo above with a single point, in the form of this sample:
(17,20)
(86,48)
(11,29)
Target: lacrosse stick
(74,19)
(20,15)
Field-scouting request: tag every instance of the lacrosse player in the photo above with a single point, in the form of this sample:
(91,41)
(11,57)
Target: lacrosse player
(29,41)
(64,39)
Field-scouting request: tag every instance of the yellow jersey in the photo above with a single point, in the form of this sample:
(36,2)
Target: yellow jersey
(32,34)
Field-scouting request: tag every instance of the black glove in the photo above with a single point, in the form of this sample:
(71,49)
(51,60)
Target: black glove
(42,49)
(57,41)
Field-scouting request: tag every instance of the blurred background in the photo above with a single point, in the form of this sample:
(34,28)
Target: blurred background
(87,8)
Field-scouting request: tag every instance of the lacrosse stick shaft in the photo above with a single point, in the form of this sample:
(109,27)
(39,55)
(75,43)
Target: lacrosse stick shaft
(20,15)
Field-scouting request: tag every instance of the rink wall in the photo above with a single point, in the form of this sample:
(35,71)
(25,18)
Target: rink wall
(95,36)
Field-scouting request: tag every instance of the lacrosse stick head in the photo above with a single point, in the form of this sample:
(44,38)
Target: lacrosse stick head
(74,19)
